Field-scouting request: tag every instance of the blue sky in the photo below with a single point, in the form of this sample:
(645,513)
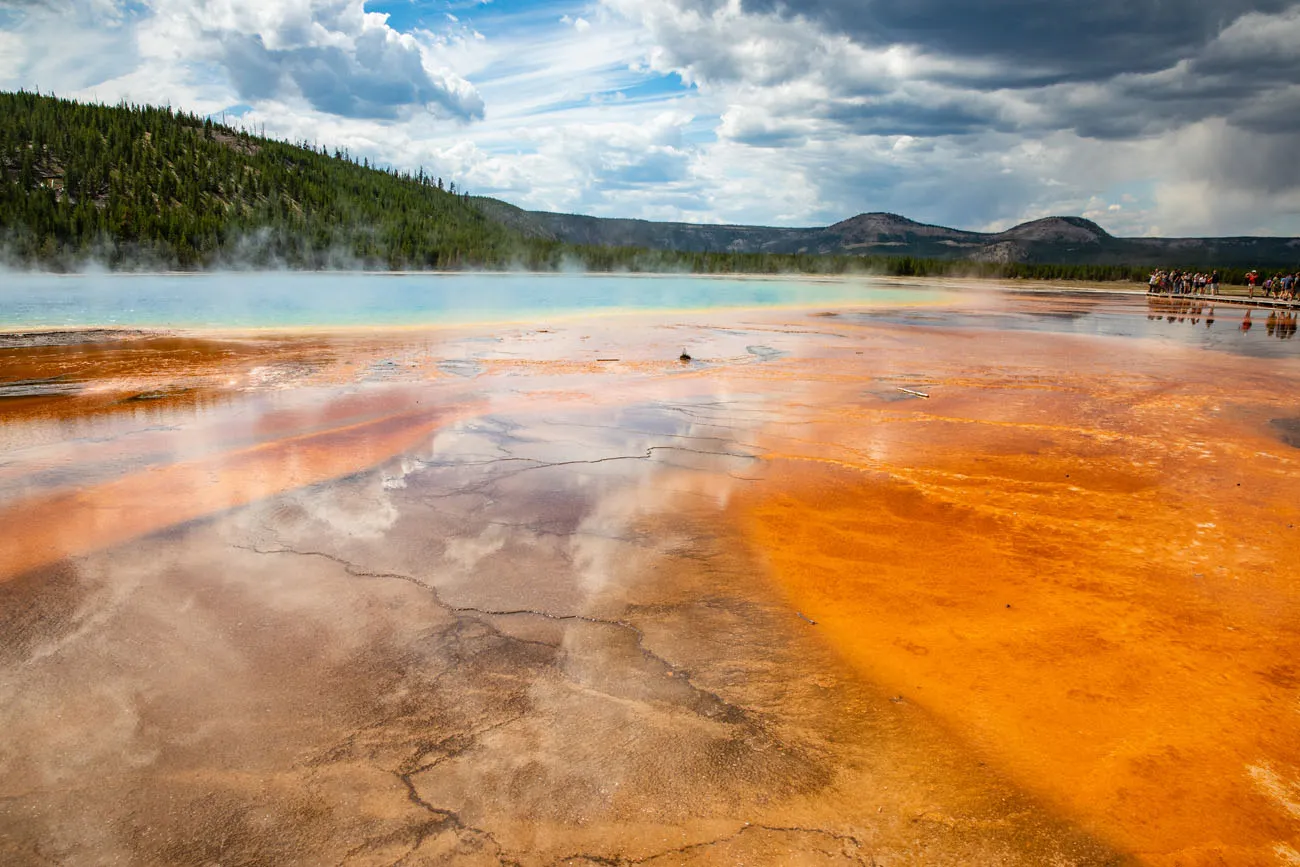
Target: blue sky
(1174,117)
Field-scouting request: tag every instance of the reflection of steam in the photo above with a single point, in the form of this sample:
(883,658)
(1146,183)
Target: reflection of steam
(100,599)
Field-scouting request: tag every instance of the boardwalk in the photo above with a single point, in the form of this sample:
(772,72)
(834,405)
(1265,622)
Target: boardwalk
(1241,300)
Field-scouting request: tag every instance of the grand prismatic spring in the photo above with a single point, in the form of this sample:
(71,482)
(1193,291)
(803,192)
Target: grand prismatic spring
(885,573)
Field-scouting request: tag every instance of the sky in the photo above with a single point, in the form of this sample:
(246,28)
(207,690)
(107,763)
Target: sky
(1152,117)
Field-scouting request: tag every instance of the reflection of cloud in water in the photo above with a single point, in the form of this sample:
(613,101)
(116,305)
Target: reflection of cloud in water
(467,552)
(365,511)
(574,488)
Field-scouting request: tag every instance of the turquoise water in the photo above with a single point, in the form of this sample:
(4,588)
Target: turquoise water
(251,300)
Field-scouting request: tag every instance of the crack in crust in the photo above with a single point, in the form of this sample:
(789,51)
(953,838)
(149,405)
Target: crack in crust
(707,704)
(857,856)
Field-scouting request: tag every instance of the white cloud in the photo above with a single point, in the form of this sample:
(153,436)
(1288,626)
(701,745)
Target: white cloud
(333,54)
(329,55)
(580,24)
(13,55)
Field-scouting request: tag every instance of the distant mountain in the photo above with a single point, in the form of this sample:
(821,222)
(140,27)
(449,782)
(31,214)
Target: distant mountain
(1056,240)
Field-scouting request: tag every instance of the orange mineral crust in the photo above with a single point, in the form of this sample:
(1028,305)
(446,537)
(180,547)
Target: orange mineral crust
(69,523)
(823,586)
(75,375)
(1084,559)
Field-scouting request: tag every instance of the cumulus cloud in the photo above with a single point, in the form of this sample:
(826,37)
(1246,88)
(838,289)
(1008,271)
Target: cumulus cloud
(64,44)
(330,54)
(940,67)
(341,59)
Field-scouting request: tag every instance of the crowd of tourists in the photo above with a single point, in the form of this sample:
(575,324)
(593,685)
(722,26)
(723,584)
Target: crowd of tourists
(1283,287)
(1183,283)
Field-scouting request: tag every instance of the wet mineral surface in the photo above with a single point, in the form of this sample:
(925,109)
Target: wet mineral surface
(1011,581)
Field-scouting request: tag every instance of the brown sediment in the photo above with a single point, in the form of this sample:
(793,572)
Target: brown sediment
(1083,560)
(20,339)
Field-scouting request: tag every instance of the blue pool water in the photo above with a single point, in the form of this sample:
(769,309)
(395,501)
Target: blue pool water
(256,300)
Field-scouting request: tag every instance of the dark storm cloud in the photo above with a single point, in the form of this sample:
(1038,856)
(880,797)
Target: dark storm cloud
(1030,42)
(1249,77)
(899,115)
(1277,113)
(1245,160)
(1106,69)
(1195,99)
(378,79)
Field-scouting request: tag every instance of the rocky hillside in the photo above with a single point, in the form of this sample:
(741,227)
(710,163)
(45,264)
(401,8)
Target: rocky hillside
(1063,240)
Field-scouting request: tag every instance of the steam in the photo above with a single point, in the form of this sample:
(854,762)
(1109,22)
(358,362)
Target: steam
(268,249)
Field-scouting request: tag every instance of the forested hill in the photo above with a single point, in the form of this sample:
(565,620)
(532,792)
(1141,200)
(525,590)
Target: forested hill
(139,186)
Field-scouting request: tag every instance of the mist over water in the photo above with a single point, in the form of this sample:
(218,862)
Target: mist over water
(253,300)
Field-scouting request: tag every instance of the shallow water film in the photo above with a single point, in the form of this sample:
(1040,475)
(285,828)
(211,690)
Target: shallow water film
(1006,579)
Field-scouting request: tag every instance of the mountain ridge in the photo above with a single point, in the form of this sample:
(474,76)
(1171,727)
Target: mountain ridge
(1054,239)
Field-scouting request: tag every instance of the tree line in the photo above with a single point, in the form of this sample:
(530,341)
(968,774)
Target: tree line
(138,186)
